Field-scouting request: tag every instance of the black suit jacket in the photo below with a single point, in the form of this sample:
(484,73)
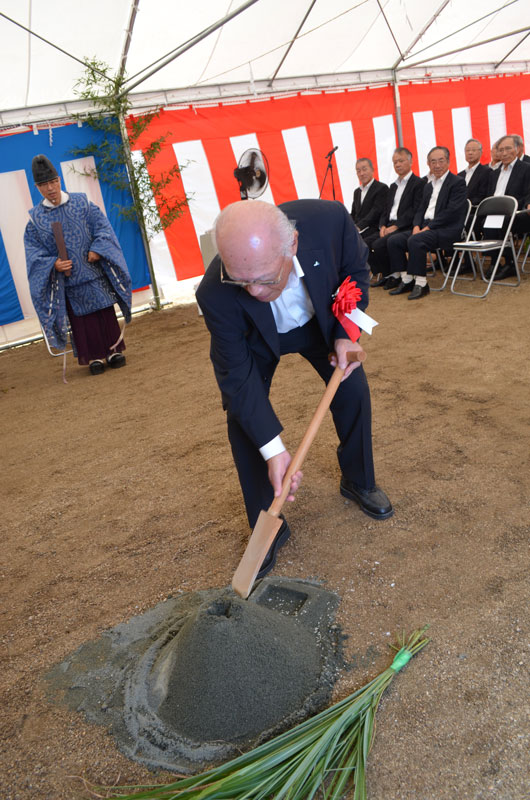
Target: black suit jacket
(245,344)
(368,214)
(477,188)
(526,159)
(518,185)
(408,205)
(451,206)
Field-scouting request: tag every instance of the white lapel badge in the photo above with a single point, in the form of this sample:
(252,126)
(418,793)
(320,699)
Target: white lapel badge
(316,264)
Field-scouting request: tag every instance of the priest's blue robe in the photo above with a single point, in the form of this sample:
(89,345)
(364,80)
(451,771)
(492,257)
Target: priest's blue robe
(90,286)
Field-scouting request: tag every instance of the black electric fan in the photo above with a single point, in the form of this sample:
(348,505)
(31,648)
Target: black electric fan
(252,174)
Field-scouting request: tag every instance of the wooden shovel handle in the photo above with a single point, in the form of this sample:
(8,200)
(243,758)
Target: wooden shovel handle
(305,444)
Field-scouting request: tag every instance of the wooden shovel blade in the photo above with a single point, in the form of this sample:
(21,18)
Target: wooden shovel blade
(263,535)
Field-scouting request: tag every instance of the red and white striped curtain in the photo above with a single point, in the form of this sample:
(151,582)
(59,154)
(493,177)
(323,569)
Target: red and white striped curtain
(296,133)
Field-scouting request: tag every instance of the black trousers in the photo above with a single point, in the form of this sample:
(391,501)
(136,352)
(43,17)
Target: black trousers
(417,246)
(351,410)
(379,259)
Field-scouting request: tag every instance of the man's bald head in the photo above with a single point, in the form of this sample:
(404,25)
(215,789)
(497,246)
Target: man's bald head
(256,242)
(253,233)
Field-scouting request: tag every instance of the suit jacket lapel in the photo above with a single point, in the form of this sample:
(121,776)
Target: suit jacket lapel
(316,281)
(443,191)
(357,200)
(262,316)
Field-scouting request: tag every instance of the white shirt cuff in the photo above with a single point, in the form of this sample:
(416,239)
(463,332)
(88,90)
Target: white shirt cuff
(272,448)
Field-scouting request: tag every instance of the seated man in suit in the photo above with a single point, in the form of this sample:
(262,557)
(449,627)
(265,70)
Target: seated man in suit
(437,224)
(476,175)
(403,199)
(368,200)
(513,178)
(268,293)
(519,143)
(495,162)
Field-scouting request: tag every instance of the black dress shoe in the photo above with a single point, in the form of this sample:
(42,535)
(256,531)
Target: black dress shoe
(373,502)
(270,559)
(403,287)
(391,283)
(379,282)
(507,271)
(419,291)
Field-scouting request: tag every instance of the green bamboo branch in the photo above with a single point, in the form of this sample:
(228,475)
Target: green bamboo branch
(325,754)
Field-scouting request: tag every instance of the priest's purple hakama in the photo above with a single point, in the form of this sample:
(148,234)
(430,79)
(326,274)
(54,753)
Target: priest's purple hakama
(86,297)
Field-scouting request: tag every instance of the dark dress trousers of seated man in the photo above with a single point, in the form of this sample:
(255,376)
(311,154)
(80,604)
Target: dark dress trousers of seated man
(368,201)
(513,179)
(476,175)
(403,200)
(438,223)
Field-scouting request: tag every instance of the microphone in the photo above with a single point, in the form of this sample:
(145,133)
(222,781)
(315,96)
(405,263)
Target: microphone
(332,151)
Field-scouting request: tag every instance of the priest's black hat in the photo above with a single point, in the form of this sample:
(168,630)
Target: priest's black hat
(43,170)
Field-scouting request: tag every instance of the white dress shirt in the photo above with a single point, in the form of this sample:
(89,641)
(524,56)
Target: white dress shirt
(504,177)
(401,184)
(292,309)
(470,171)
(364,190)
(437,184)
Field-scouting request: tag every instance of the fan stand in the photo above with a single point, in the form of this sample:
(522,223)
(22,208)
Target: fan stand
(329,170)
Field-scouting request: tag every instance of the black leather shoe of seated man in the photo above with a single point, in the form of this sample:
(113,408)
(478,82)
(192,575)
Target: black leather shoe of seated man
(270,559)
(373,502)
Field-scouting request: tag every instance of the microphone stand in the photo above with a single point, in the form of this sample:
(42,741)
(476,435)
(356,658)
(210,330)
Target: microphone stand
(329,169)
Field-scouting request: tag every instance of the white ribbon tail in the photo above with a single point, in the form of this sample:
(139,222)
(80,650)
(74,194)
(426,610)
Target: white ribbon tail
(362,320)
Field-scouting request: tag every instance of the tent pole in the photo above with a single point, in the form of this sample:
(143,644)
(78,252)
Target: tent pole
(397,106)
(511,51)
(469,46)
(189,44)
(141,222)
(424,30)
(307,13)
(128,36)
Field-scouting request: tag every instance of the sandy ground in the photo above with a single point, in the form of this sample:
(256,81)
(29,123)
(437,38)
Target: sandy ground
(118,490)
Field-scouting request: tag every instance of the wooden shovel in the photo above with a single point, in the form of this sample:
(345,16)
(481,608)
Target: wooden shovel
(269,522)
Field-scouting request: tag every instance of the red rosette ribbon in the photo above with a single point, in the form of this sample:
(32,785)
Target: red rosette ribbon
(346,298)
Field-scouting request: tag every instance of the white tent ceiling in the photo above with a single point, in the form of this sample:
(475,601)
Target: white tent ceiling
(271,46)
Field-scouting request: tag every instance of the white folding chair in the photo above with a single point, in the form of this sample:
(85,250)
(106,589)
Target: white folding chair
(502,206)
(524,249)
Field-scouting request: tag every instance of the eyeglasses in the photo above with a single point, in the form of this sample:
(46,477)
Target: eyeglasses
(225,277)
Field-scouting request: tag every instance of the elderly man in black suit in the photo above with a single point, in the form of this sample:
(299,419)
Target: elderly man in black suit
(368,200)
(403,200)
(513,178)
(437,224)
(268,293)
(519,143)
(476,175)
(495,162)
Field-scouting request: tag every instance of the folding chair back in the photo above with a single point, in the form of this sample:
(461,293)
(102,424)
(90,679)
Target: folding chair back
(493,213)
